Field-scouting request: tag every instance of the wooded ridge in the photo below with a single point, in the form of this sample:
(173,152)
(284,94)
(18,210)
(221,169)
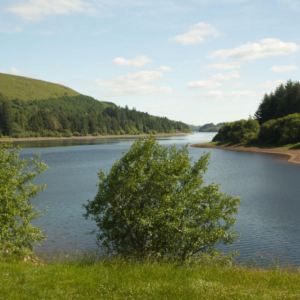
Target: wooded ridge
(66,113)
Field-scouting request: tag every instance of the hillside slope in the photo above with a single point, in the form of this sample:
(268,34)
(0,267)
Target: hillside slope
(24,88)
(25,112)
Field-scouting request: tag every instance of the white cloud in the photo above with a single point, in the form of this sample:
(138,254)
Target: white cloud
(229,95)
(196,34)
(224,66)
(36,10)
(137,61)
(12,70)
(270,85)
(138,90)
(250,51)
(133,84)
(164,69)
(15,71)
(131,79)
(204,84)
(283,68)
(238,84)
(228,76)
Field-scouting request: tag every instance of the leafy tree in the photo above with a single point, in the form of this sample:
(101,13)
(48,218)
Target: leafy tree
(281,131)
(153,203)
(242,131)
(17,235)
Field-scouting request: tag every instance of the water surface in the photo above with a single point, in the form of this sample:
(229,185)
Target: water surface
(268,186)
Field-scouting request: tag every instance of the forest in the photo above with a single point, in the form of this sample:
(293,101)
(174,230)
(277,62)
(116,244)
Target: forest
(276,121)
(77,116)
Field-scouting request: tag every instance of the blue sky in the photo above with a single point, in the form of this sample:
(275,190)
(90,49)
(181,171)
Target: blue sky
(197,61)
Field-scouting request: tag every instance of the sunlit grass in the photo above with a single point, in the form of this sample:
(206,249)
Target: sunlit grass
(88,277)
(24,88)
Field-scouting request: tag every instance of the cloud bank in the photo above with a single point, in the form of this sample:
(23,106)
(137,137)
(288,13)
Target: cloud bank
(224,66)
(138,61)
(284,68)
(133,84)
(12,70)
(196,34)
(204,84)
(37,10)
(228,76)
(251,51)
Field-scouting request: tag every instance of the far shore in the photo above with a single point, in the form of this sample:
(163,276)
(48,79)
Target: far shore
(293,156)
(88,137)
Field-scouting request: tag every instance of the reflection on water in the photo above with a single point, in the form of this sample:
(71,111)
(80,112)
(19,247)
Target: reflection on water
(268,186)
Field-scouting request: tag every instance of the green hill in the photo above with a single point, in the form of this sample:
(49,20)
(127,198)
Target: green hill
(64,112)
(25,88)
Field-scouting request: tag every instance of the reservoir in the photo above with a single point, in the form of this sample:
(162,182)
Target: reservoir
(268,186)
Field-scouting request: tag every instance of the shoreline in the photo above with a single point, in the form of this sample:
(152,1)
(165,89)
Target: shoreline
(87,137)
(293,156)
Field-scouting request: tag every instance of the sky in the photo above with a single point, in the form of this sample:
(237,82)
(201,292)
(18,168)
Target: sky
(196,61)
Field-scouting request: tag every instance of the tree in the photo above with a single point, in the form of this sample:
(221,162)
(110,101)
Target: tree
(7,118)
(153,203)
(17,235)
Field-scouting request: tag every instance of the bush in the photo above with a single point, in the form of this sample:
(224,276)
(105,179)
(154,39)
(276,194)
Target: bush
(17,235)
(67,133)
(281,131)
(243,131)
(153,203)
(57,134)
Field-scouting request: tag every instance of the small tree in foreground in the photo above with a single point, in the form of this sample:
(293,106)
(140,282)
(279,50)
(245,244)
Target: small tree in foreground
(153,203)
(17,235)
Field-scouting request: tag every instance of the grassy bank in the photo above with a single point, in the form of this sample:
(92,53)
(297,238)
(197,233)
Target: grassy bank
(117,279)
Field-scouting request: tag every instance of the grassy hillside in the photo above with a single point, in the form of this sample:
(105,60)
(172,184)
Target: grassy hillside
(64,112)
(24,88)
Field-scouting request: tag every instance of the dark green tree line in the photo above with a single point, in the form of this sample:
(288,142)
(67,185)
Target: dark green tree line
(284,101)
(277,120)
(78,115)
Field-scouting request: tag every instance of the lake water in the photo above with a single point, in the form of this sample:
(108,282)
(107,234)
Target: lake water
(268,186)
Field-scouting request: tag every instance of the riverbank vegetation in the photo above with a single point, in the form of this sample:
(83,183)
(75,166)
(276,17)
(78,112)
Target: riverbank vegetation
(86,278)
(276,123)
(79,116)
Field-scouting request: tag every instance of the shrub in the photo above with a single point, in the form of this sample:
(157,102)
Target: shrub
(17,235)
(153,203)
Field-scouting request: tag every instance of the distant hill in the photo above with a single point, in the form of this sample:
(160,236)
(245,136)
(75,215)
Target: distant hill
(210,127)
(24,88)
(34,108)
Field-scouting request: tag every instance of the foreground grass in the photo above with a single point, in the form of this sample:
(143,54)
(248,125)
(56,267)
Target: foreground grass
(110,279)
